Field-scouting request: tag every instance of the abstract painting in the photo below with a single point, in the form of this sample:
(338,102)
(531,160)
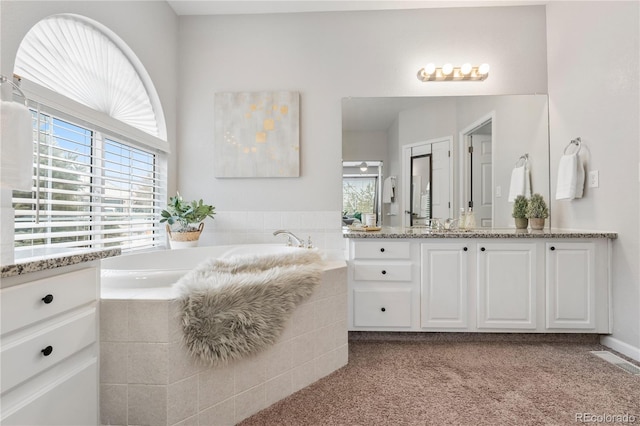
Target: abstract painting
(257,134)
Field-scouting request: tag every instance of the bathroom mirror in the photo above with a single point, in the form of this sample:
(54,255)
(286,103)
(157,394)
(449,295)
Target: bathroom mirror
(500,129)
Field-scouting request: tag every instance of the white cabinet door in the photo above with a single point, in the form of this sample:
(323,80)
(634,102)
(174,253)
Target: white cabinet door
(444,284)
(570,285)
(506,285)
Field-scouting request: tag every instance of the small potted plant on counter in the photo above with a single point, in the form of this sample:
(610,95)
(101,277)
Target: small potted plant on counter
(537,212)
(520,205)
(185,220)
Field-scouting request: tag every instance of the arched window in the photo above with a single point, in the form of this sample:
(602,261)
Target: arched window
(97,182)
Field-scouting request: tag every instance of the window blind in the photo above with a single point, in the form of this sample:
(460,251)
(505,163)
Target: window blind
(90,190)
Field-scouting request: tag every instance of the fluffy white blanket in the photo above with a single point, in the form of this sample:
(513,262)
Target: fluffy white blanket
(236,307)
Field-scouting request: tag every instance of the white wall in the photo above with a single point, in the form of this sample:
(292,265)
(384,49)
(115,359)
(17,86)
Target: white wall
(326,57)
(594,66)
(369,145)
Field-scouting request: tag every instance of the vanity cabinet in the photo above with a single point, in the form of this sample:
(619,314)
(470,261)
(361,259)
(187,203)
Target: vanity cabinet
(49,355)
(507,283)
(527,285)
(383,290)
(444,286)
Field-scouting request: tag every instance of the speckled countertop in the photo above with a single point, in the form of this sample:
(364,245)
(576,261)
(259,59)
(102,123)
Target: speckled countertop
(56,261)
(391,232)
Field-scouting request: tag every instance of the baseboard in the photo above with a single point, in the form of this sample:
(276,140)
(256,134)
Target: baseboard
(622,347)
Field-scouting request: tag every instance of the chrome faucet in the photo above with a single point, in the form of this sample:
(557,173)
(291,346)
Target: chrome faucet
(292,238)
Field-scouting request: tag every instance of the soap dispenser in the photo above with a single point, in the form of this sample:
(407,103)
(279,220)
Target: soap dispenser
(470,220)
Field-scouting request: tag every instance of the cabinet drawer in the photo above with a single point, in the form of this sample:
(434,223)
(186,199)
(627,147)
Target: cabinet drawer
(26,357)
(396,271)
(69,401)
(382,308)
(38,300)
(381,250)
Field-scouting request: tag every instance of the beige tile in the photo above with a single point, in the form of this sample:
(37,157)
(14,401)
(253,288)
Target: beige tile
(303,376)
(342,310)
(341,281)
(279,388)
(114,321)
(174,327)
(324,341)
(278,359)
(325,312)
(325,364)
(181,363)
(148,321)
(147,405)
(191,421)
(214,386)
(249,372)
(326,287)
(182,400)
(113,404)
(302,319)
(250,402)
(342,356)
(113,362)
(148,363)
(222,414)
(302,349)
(340,333)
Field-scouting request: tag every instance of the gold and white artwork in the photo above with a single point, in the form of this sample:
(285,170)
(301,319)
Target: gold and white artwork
(257,134)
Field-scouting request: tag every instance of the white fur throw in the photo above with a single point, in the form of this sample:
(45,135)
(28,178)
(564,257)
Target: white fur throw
(236,307)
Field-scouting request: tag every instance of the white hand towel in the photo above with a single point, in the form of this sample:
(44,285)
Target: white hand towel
(388,190)
(567,177)
(518,183)
(527,181)
(580,177)
(16,146)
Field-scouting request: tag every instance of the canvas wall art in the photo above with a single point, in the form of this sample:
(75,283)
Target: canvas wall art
(257,134)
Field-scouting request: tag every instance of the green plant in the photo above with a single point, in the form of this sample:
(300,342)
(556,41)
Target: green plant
(537,207)
(520,205)
(186,213)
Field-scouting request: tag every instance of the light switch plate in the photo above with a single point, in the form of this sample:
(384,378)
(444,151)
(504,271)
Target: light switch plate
(594,179)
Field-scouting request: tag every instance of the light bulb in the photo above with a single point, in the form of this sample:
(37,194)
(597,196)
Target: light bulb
(484,69)
(430,69)
(363,166)
(447,69)
(465,69)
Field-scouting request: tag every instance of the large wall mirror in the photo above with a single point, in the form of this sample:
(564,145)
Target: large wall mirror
(472,144)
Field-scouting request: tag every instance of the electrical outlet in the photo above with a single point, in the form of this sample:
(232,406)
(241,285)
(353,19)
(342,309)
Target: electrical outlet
(498,191)
(594,179)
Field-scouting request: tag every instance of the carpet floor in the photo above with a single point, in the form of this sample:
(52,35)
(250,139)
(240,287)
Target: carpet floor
(463,383)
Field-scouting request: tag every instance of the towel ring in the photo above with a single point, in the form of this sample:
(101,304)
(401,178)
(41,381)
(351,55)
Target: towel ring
(577,141)
(4,79)
(522,160)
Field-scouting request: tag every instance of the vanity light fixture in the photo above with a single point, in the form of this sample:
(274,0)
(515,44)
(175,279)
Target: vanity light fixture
(363,166)
(448,72)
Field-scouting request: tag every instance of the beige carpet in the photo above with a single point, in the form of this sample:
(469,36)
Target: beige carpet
(462,383)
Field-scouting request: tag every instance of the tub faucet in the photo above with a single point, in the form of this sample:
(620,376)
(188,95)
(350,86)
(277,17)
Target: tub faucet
(292,238)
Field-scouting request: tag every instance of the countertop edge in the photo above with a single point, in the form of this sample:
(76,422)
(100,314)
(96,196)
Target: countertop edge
(502,234)
(56,262)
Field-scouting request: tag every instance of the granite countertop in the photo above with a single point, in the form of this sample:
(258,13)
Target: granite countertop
(418,232)
(34,264)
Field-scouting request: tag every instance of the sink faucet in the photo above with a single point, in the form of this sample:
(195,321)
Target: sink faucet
(292,238)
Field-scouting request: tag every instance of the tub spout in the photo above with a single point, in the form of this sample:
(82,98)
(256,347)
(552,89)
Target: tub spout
(292,238)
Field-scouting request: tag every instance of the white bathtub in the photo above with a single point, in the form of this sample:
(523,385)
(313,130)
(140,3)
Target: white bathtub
(150,275)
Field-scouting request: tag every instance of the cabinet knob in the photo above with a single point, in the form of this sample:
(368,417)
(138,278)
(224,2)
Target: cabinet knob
(382,250)
(383,309)
(48,299)
(482,249)
(47,351)
(384,272)
(465,249)
(552,248)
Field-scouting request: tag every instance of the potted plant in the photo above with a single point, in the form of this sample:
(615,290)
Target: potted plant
(537,212)
(185,220)
(520,205)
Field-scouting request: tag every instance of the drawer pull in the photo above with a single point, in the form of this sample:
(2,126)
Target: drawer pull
(383,309)
(552,248)
(48,299)
(465,249)
(384,272)
(382,250)
(47,351)
(482,249)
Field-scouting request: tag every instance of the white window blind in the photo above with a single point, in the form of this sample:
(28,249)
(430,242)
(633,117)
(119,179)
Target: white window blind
(90,190)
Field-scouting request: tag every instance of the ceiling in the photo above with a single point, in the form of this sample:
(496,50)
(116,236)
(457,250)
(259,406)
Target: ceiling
(235,7)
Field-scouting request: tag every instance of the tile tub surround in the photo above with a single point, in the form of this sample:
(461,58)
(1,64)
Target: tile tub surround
(392,232)
(147,377)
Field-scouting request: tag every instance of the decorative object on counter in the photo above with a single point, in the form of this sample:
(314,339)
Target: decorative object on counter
(185,220)
(520,179)
(520,206)
(537,212)
(470,220)
(571,174)
(462,219)
(256,134)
